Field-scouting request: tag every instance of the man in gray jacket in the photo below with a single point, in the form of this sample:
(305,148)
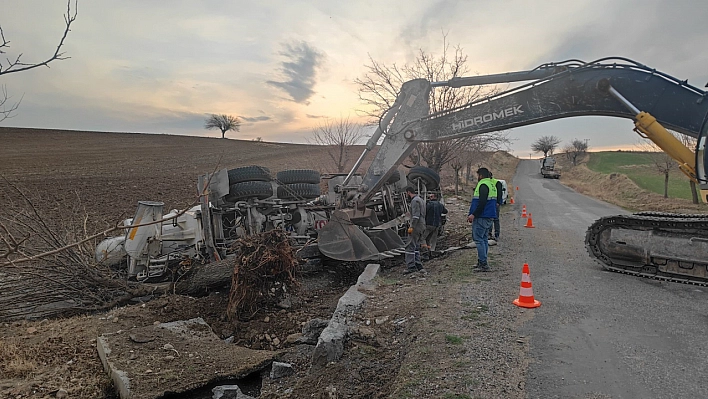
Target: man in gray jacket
(413,262)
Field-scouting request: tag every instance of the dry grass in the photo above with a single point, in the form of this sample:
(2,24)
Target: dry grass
(618,189)
(17,362)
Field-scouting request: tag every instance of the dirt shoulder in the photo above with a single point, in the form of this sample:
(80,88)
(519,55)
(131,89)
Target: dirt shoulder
(448,333)
(620,190)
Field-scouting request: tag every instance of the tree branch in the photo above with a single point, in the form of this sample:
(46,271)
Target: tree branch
(5,110)
(18,66)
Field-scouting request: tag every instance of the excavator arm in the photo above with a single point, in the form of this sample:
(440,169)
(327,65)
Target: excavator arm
(567,90)
(614,87)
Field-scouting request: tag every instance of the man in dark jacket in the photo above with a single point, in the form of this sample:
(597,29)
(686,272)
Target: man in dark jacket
(434,209)
(482,212)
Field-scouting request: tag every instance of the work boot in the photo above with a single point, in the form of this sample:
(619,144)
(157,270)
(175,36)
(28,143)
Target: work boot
(409,271)
(481,267)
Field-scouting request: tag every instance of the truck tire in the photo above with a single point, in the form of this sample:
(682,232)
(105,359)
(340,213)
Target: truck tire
(429,177)
(293,176)
(298,191)
(249,173)
(395,177)
(249,189)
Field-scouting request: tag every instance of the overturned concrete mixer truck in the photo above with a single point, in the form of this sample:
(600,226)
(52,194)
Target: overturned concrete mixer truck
(248,200)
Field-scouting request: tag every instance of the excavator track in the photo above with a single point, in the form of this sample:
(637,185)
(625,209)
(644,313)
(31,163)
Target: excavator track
(661,246)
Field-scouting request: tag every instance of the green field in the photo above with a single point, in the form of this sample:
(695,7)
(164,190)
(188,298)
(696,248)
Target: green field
(638,166)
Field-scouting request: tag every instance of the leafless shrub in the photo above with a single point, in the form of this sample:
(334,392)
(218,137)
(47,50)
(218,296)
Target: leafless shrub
(66,281)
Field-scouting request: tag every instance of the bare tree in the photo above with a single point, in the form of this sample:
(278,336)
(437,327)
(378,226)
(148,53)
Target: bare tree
(379,87)
(338,135)
(479,149)
(456,164)
(223,122)
(546,145)
(575,150)
(660,162)
(16,64)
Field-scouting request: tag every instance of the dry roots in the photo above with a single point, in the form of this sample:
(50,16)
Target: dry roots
(263,274)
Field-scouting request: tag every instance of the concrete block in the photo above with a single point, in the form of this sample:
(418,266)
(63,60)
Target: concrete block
(174,358)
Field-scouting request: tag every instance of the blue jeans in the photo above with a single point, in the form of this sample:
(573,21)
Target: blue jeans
(480,234)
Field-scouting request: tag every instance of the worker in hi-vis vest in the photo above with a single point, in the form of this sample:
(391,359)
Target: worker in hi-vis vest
(483,210)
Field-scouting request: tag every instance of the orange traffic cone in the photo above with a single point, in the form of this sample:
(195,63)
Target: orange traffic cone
(523,211)
(529,222)
(512,200)
(517,188)
(526,299)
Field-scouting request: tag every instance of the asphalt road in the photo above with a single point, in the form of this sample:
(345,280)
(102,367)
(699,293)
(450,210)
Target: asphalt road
(601,334)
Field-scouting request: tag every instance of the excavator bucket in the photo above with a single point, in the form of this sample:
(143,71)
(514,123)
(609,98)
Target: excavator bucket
(341,239)
(385,240)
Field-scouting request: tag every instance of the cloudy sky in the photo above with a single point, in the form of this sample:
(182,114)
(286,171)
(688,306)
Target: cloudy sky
(159,66)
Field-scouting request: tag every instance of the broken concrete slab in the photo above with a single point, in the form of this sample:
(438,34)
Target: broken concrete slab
(312,330)
(174,358)
(280,370)
(330,344)
(229,392)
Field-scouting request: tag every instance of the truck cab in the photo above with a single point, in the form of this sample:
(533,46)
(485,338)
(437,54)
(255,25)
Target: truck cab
(548,168)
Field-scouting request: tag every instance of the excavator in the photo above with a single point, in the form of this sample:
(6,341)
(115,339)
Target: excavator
(672,247)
